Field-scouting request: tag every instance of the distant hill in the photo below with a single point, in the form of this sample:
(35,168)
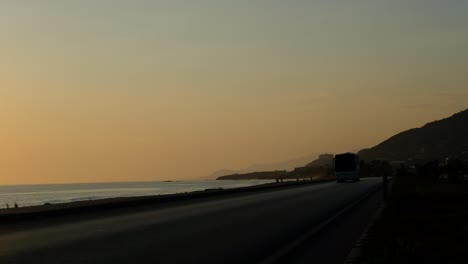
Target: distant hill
(323,160)
(284,165)
(264,175)
(436,140)
(318,168)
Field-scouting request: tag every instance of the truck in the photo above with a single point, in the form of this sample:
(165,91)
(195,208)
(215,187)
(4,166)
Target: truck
(347,167)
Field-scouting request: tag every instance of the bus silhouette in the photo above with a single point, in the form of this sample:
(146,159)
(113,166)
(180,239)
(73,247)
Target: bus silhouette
(347,167)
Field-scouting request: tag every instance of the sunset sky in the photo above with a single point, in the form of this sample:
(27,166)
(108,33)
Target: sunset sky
(139,90)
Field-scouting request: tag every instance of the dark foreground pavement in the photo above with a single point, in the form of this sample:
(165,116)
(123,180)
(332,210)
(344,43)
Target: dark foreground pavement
(250,228)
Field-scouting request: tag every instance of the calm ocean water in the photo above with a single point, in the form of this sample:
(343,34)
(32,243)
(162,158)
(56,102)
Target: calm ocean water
(31,195)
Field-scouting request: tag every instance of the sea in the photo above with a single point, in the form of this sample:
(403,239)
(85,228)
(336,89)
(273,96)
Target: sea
(33,195)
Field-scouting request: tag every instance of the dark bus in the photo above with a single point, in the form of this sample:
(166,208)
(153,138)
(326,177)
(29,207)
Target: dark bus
(347,167)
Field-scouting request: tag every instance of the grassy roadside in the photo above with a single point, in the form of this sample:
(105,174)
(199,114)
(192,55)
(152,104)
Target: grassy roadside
(425,221)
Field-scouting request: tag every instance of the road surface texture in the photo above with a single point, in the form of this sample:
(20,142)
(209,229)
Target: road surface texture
(291,225)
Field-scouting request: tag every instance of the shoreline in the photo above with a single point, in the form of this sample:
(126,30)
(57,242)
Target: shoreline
(44,194)
(102,206)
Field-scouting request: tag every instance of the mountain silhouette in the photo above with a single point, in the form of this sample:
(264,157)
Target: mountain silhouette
(317,168)
(279,166)
(436,140)
(323,160)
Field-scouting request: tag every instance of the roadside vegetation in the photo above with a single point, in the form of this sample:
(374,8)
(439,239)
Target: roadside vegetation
(425,219)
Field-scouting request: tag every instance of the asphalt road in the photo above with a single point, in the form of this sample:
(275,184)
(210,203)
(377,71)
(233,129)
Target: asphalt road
(249,228)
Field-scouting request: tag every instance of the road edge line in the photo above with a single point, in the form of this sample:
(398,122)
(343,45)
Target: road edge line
(286,250)
(356,252)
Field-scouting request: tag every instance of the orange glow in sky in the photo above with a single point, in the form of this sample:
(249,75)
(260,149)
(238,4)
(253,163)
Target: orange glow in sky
(95,91)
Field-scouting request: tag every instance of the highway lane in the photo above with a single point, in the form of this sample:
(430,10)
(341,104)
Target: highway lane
(243,229)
